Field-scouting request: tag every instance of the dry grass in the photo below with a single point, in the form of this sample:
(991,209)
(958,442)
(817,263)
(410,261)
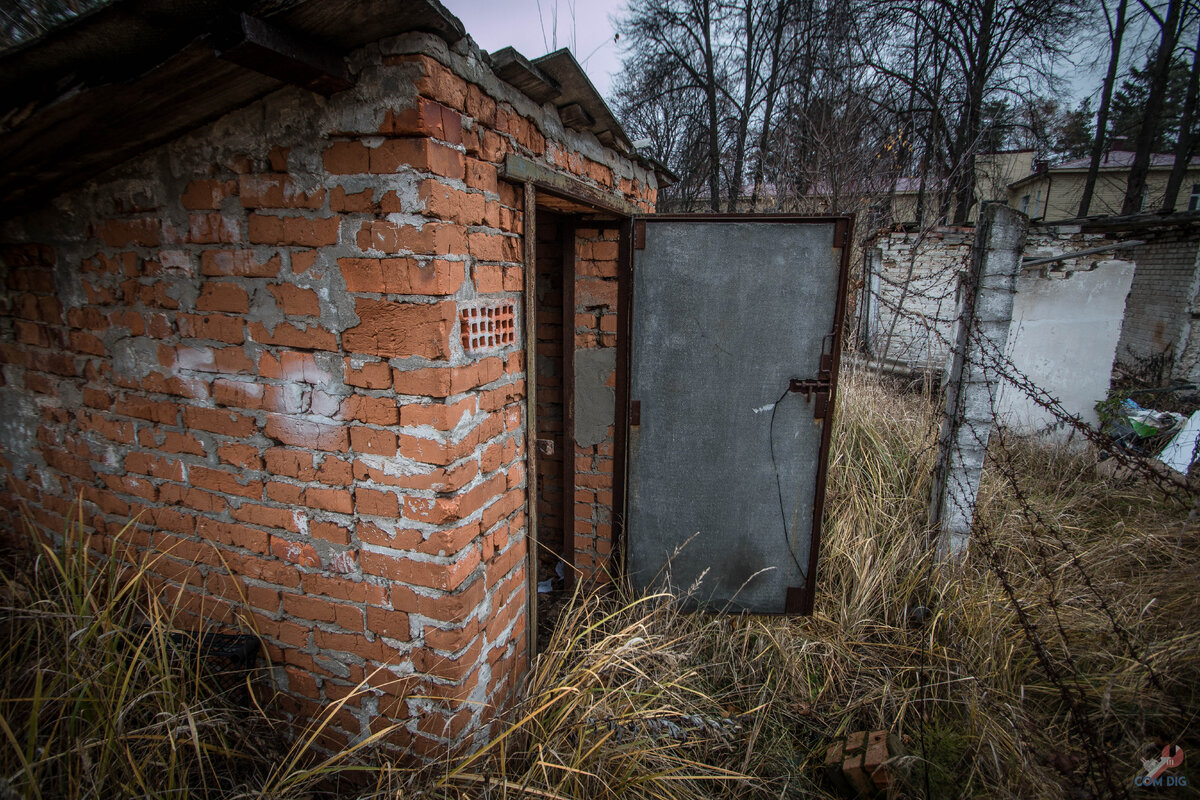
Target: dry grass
(98,700)
(977,712)
(634,699)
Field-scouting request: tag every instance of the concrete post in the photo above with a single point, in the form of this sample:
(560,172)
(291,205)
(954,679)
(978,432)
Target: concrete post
(986,306)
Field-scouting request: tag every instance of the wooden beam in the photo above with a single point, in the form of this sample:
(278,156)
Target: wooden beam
(514,68)
(576,117)
(621,420)
(566,235)
(519,169)
(529,309)
(283,55)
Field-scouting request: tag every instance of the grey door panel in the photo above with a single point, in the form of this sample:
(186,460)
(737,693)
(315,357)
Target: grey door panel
(725,315)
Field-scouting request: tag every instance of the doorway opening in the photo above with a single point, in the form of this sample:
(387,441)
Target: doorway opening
(554,255)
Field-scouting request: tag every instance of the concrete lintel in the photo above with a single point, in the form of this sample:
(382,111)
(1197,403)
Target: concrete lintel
(519,169)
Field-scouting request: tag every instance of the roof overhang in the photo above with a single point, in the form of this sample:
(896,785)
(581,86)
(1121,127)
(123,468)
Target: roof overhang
(558,79)
(579,104)
(136,73)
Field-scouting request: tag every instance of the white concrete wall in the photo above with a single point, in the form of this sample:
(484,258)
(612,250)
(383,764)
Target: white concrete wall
(1066,324)
(1064,336)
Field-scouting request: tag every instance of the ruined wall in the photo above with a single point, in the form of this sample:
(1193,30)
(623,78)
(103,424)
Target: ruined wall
(1063,338)
(1066,317)
(1187,358)
(1157,329)
(912,286)
(912,298)
(255,339)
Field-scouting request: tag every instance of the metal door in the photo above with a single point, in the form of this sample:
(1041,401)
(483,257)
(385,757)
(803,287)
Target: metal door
(733,362)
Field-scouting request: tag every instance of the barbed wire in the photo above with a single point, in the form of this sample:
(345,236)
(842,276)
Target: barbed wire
(930,335)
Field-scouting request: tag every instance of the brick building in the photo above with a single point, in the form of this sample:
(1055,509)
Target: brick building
(280,281)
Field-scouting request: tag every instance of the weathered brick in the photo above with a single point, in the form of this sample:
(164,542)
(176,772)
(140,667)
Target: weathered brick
(276,191)
(296,301)
(306,434)
(376,503)
(447,203)
(144,232)
(213,228)
(286,334)
(401,329)
(296,552)
(371,375)
(303,231)
(226,423)
(402,275)
(218,327)
(447,381)
(218,296)
(206,194)
(423,155)
(241,263)
(346,158)
(425,118)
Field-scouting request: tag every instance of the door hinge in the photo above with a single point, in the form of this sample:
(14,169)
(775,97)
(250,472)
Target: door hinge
(841,233)
(635,413)
(639,234)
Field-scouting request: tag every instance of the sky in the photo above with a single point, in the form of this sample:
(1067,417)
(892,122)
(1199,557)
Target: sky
(529,26)
(585,26)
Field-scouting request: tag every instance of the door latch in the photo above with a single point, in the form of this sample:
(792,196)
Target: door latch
(813,389)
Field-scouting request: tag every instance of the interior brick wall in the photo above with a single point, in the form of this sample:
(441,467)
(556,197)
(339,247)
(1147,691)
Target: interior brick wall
(1161,302)
(247,339)
(596,272)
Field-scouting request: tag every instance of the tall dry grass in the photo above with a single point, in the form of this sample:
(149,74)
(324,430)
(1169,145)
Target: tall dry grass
(101,698)
(634,699)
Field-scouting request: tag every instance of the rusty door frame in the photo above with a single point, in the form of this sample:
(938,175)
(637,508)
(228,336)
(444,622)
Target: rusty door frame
(634,239)
(566,232)
(532,184)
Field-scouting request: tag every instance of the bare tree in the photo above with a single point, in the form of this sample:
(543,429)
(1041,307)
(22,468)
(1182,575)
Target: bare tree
(1186,144)
(986,49)
(685,34)
(1116,34)
(1170,27)
(658,100)
(819,100)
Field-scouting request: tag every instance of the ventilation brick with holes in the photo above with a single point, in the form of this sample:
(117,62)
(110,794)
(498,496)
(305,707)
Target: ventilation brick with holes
(488,327)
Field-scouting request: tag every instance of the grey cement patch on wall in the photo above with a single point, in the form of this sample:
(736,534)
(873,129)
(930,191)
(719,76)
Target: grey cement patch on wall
(595,403)
(18,429)
(134,356)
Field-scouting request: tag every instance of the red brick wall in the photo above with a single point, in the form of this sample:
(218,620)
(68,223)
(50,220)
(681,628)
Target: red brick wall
(595,327)
(249,339)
